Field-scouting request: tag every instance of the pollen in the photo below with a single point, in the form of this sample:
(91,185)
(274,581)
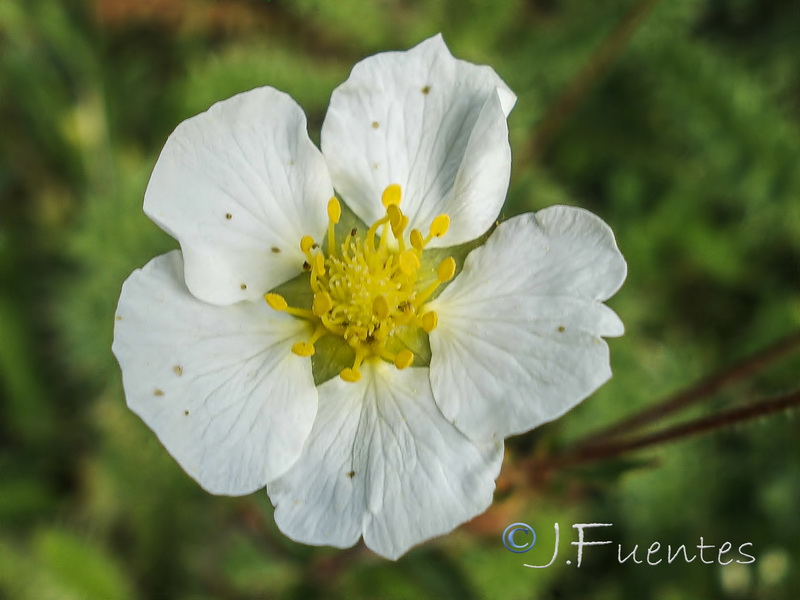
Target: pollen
(366,288)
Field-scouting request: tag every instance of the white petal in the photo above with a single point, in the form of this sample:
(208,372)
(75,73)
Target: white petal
(518,341)
(218,384)
(433,124)
(238,186)
(382,461)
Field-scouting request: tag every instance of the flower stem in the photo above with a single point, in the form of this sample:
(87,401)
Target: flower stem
(697,426)
(697,392)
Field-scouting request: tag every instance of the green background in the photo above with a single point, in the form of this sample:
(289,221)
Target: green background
(684,137)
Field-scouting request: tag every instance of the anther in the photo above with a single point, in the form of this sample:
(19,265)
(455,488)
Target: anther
(334,210)
(429,321)
(395,215)
(334,214)
(409,263)
(417,240)
(276,301)
(350,375)
(404,359)
(400,227)
(319,264)
(447,269)
(445,272)
(303,349)
(439,226)
(306,242)
(322,303)
(391,195)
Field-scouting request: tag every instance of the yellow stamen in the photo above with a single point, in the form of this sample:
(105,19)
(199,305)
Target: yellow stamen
(416,239)
(319,265)
(395,215)
(305,244)
(367,292)
(322,303)
(334,214)
(303,349)
(398,230)
(409,263)
(307,348)
(334,210)
(429,321)
(404,359)
(440,225)
(276,301)
(445,272)
(447,269)
(353,374)
(391,195)
(350,375)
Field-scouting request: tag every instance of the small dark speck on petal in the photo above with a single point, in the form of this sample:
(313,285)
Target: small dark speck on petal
(158,392)
(119,317)
(186,412)
(425,90)
(228,216)
(351,474)
(178,370)
(375,125)
(243,286)
(561,329)
(276,250)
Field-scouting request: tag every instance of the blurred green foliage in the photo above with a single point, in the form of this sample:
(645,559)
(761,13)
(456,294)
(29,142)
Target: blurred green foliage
(688,147)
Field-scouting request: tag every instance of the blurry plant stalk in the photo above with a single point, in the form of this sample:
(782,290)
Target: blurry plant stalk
(626,435)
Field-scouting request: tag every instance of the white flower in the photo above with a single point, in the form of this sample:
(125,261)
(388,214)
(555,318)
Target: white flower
(403,446)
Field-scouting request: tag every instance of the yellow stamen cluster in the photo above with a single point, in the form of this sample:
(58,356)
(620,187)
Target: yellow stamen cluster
(366,289)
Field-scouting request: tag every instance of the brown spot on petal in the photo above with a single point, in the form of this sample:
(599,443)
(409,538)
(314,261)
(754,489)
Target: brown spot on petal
(186,412)
(561,329)
(375,124)
(228,216)
(426,90)
(178,370)
(243,286)
(351,474)
(276,250)
(158,392)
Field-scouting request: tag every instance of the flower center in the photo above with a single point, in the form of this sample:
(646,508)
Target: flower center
(367,290)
